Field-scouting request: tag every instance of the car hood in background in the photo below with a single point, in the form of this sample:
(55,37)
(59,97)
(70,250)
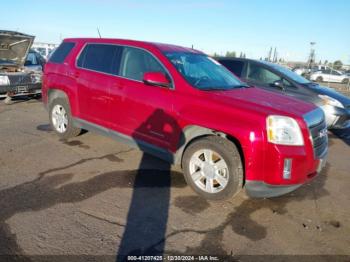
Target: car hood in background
(323,90)
(14,47)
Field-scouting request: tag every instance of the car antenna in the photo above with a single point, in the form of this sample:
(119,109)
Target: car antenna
(98,31)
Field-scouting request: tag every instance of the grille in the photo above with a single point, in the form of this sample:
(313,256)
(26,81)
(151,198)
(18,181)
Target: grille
(19,78)
(318,131)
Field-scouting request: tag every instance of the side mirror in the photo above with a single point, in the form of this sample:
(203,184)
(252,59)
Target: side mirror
(279,84)
(156,79)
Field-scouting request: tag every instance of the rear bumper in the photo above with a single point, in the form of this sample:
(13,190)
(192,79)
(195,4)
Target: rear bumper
(20,89)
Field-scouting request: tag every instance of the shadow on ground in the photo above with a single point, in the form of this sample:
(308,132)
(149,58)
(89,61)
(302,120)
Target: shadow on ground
(240,220)
(45,192)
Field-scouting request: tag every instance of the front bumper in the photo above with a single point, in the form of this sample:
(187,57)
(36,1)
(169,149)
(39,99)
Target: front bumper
(260,189)
(27,88)
(337,117)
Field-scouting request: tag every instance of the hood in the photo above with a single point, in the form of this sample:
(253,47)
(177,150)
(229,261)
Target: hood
(14,47)
(265,101)
(324,90)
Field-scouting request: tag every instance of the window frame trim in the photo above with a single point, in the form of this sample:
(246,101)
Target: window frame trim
(171,87)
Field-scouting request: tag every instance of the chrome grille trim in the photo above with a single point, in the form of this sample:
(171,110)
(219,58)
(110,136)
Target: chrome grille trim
(316,123)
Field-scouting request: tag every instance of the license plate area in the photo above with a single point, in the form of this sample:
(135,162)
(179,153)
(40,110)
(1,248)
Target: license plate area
(22,89)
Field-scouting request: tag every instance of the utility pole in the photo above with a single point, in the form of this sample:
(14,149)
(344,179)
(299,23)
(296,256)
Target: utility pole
(311,60)
(269,55)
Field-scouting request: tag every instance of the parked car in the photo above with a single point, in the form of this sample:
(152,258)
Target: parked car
(183,106)
(14,79)
(276,78)
(329,75)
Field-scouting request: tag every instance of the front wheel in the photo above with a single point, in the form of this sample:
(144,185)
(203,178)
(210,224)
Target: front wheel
(345,81)
(61,119)
(319,79)
(213,168)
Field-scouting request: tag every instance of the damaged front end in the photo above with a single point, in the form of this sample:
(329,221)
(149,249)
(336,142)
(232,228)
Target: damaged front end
(14,79)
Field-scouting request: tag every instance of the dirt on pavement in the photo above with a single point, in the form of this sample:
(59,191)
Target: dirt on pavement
(92,196)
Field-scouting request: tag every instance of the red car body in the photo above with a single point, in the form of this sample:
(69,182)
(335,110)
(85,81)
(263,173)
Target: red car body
(240,114)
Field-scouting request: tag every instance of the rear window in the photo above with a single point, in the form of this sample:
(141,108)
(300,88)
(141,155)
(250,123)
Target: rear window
(61,52)
(100,57)
(235,67)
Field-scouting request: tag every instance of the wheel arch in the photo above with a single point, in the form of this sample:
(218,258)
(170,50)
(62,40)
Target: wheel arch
(193,132)
(54,93)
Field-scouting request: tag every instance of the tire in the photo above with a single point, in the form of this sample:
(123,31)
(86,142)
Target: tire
(233,173)
(319,79)
(345,81)
(69,129)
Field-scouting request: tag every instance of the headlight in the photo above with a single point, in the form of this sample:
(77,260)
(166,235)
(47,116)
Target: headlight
(330,101)
(283,130)
(4,80)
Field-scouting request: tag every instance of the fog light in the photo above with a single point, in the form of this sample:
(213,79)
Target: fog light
(287,168)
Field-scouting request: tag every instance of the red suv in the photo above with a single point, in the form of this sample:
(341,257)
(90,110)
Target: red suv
(181,105)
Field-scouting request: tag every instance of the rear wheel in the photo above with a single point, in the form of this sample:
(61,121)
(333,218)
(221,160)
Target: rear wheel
(213,168)
(345,81)
(61,119)
(319,79)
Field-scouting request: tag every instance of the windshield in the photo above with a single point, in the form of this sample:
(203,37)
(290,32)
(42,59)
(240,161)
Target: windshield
(292,75)
(203,72)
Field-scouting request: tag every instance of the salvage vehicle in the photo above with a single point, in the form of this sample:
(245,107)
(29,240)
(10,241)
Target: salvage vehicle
(14,78)
(184,107)
(35,62)
(276,78)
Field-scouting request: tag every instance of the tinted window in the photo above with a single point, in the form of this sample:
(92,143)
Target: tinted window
(235,67)
(135,62)
(61,52)
(292,75)
(261,75)
(100,57)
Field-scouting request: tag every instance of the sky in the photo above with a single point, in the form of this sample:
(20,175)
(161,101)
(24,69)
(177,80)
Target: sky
(249,26)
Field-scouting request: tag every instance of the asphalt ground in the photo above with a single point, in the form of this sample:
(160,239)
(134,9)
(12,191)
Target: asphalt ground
(92,198)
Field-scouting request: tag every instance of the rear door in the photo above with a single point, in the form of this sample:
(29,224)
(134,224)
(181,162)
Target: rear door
(146,110)
(97,67)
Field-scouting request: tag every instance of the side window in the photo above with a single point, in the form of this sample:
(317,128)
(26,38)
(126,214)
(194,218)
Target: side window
(61,52)
(261,75)
(100,57)
(31,60)
(135,62)
(235,67)
(335,73)
(287,84)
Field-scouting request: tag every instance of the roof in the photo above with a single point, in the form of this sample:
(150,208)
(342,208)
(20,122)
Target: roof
(162,47)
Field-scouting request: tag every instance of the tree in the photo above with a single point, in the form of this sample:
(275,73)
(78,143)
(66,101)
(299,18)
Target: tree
(337,64)
(230,54)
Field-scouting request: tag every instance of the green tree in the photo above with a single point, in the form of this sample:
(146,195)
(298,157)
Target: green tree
(230,54)
(337,64)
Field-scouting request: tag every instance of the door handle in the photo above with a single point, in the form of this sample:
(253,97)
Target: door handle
(75,74)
